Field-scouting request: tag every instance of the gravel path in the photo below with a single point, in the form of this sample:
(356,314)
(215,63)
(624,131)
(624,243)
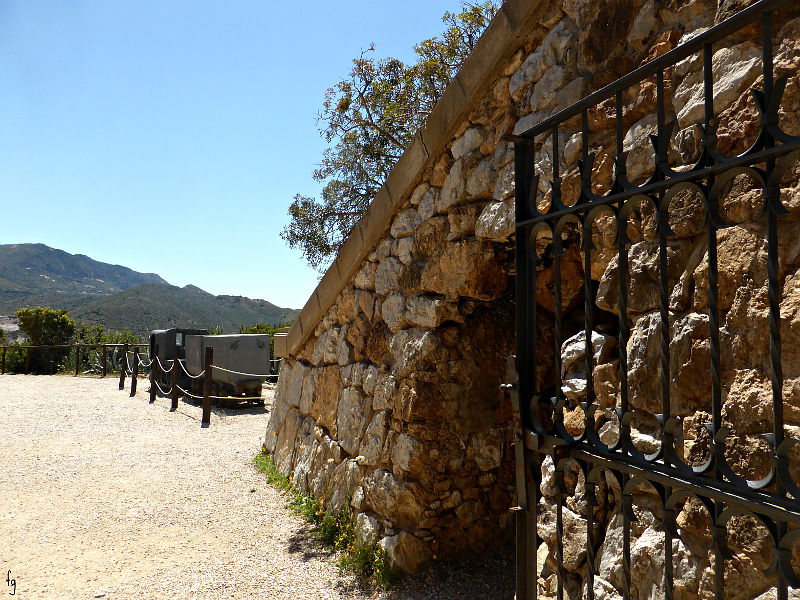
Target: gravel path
(107,496)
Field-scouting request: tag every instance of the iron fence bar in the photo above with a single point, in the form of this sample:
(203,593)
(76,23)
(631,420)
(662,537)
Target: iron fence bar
(666,60)
(753,500)
(656,186)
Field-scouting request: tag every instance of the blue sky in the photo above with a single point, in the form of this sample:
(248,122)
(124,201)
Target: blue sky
(170,136)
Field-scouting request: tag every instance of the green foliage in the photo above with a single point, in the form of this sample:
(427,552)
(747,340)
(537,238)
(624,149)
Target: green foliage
(335,529)
(266,328)
(216,330)
(46,326)
(370,118)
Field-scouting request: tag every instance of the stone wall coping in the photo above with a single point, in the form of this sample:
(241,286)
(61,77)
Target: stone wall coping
(501,39)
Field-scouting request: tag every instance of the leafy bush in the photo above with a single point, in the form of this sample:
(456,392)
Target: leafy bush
(337,530)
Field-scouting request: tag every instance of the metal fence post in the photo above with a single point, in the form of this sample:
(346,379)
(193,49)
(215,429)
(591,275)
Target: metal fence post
(174,381)
(77,359)
(27,360)
(153,367)
(209,359)
(123,366)
(135,375)
(3,362)
(105,360)
(52,360)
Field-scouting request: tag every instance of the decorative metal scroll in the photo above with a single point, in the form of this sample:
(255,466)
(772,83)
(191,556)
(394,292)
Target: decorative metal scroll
(774,499)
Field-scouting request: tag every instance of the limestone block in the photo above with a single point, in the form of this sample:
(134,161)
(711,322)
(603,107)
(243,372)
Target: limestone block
(290,384)
(466,268)
(326,398)
(343,482)
(393,311)
(367,529)
(351,419)
(366,302)
(462,221)
(404,250)
(496,222)
(387,275)
(504,185)
(374,437)
(365,278)
(487,448)
(405,223)
(285,445)
(346,306)
(427,205)
(384,392)
(735,69)
(326,456)
(574,537)
(481,181)
(640,162)
(573,352)
(370,378)
(689,363)
(440,170)
(418,193)
(304,449)
(552,50)
(644,22)
(405,552)
(452,192)
(469,141)
(543,95)
(382,250)
(392,499)
(411,347)
(406,455)
(307,395)
(430,311)
(431,237)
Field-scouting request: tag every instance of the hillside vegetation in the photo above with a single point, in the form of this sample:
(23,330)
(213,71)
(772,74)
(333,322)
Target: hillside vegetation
(117,297)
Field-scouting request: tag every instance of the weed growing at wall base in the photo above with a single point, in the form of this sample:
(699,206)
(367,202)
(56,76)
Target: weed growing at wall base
(336,530)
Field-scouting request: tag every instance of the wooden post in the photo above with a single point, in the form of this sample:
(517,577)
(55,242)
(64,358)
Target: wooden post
(123,366)
(77,359)
(105,360)
(153,368)
(27,360)
(209,359)
(174,381)
(52,360)
(3,366)
(135,375)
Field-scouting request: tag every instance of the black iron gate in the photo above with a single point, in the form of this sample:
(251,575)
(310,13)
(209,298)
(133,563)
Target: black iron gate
(546,224)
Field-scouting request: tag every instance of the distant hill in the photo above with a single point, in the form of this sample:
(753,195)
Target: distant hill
(159,306)
(118,297)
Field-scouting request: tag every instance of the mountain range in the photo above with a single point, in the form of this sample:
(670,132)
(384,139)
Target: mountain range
(118,297)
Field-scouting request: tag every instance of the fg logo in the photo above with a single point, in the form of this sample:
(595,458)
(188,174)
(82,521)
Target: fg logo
(12,583)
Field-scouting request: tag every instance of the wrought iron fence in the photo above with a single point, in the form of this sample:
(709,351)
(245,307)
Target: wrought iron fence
(548,224)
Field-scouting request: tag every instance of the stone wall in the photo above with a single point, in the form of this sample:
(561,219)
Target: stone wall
(389,400)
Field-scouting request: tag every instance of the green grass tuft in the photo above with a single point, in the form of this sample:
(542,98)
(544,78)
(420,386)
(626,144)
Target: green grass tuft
(336,530)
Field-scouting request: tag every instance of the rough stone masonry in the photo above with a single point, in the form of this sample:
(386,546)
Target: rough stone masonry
(392,406)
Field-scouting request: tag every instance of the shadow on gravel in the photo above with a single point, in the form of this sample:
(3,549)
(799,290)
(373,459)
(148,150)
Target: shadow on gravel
(489,576)
(306,543)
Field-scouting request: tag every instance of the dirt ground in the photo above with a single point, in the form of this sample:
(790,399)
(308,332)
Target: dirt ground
(107,496)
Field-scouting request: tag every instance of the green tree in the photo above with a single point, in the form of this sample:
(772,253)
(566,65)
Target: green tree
(370,118)
(46,327)
(268,328)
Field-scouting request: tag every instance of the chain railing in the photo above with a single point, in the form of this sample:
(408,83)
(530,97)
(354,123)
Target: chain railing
(59,354)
